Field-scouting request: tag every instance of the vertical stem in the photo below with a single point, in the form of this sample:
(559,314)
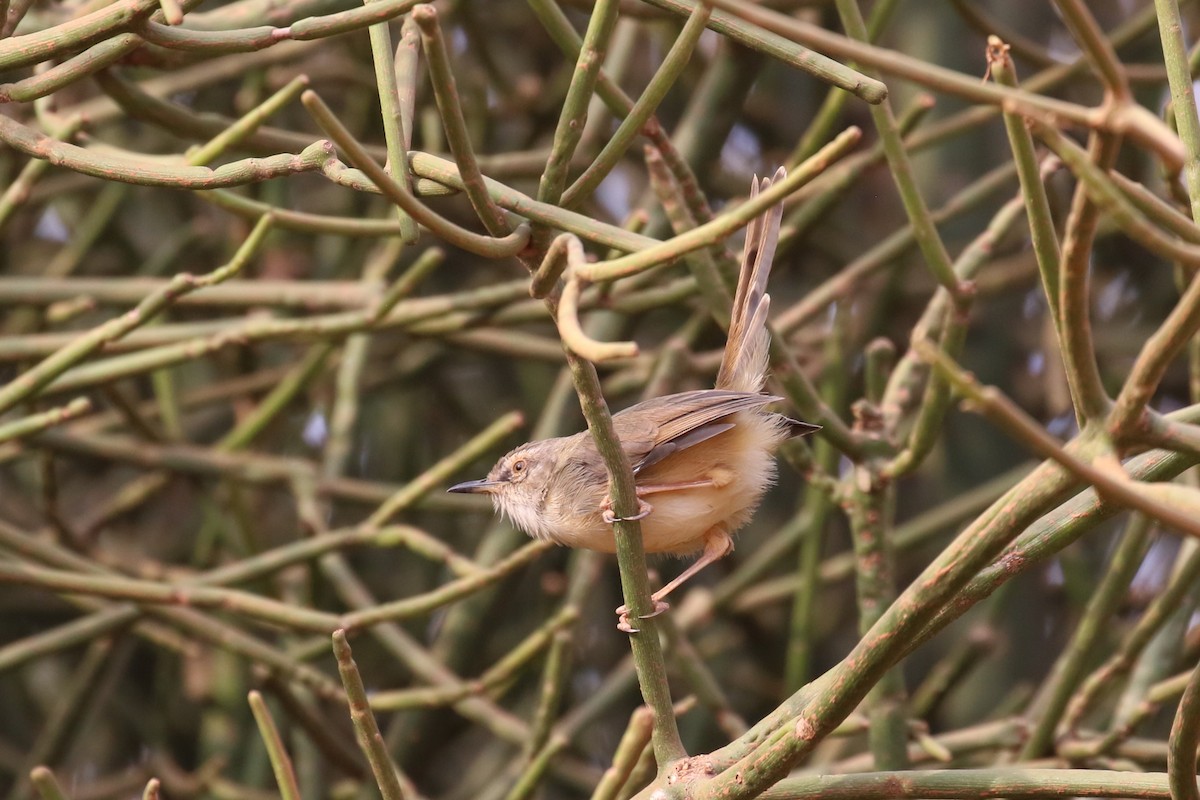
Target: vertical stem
(818,502)
(924,230)
(64,723)
(281,762)
(366,730)
(1183,742)
(1072,664)
(344,415)
(1154,619)
(817,505)
(664,78)
(405,67)
(1041,224)
(823,121)
(393,126)
(1096,47)
(631,559)
(445,91)
(1183,99)
(1161,656)
(579,94)
(869,500)
(1079,354)
(869,505)
(46,784)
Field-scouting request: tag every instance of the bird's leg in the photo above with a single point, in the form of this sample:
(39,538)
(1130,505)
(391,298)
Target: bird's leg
(606,512)
(656,488)
(717,480)
(717,544)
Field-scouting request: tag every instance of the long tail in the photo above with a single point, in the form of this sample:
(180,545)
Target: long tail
(744,365)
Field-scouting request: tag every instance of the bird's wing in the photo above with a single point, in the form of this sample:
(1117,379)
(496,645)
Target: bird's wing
(652,430)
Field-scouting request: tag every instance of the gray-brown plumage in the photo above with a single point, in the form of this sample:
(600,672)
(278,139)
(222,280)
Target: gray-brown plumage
(702,459)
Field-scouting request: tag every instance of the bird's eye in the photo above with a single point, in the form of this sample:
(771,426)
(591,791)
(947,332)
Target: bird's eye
(518,465)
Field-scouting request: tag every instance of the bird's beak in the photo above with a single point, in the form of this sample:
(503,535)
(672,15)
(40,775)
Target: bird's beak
(483,486)
(802,428)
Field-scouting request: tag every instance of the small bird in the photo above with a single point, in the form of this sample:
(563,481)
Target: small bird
(704,457)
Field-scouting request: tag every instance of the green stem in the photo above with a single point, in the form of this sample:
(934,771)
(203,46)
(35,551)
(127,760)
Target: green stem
(281,762)
(870,504)
(769,43)
(927,237)
(34,423)
(1096,48)
(579,94)
(485,246)
(631,558)
(946,784)
(445,92)
(664,78)
(1184,741)
(1041,223)
(727,223)
(1079,355)
(1183,98)
(29,382)
(1070,667)
(366,730)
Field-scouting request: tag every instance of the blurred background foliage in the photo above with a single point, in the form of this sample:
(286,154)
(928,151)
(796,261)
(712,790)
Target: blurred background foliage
(245,444)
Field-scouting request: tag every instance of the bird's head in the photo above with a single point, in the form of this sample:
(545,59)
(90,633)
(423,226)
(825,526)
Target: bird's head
(519,484)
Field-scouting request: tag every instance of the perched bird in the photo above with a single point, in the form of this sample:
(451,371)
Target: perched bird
(704,458)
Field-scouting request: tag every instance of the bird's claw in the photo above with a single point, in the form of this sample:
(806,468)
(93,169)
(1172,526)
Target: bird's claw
(606,512)
(623,623)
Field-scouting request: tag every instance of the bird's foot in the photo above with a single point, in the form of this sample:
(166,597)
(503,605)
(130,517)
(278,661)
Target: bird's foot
(606,512)
(623,623)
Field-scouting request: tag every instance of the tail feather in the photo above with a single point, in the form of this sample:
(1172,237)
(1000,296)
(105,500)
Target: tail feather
(744,364)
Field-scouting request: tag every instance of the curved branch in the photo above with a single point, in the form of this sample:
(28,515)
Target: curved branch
(1185,738)
(145,172)
(572,332)
(485,246)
